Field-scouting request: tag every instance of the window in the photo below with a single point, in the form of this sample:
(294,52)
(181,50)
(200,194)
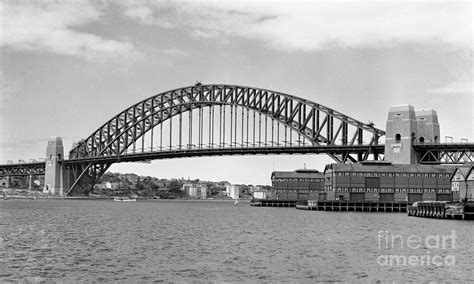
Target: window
(422,139)
(398,138)
(372,182)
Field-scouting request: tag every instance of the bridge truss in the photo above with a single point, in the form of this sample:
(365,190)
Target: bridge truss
(221,120)
(23,169)
(452,153)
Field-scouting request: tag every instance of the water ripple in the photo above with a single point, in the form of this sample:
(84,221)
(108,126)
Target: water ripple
(161,241)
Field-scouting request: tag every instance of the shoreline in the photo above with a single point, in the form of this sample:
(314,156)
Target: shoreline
(26,197)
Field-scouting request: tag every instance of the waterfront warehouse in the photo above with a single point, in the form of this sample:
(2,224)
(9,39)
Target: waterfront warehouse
(297,185)
(386,182)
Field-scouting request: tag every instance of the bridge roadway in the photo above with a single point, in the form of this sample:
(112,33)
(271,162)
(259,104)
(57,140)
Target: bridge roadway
(450,153)
(36,168)
(23,169)
(447,153)
(201,152)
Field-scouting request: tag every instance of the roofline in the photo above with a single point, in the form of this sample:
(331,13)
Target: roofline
(468,172)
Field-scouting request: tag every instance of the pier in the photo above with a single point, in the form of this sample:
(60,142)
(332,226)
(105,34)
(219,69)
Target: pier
(442,210)
(273,203)
(359,206)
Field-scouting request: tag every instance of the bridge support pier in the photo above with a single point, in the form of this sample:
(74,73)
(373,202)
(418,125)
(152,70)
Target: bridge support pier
(30,182)
(7,181)
(55,180)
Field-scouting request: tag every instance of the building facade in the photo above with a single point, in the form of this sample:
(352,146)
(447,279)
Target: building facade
(195,190)
(297,185)
(462,183)
(233,191)
(259,194)
(386,182)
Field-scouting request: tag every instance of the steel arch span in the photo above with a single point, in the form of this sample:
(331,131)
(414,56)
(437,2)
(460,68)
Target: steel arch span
(208,120)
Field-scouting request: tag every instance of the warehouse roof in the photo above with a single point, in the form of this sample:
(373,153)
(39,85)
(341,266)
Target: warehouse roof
(306,173)
(465,170)
(387,168)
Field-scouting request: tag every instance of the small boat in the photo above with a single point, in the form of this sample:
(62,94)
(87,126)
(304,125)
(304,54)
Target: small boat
(124,199)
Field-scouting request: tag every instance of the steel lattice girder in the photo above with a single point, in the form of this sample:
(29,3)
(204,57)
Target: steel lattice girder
(445,153)
(316,123)
(24,169)
(85,175)
(120,132)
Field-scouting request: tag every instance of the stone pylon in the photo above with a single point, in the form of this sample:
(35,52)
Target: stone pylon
(55,173)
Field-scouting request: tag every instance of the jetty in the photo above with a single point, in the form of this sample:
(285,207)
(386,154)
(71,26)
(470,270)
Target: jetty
(273,203)
(359,206)
(442,210)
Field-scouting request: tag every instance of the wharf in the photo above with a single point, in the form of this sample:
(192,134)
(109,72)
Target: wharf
(273,203)
(442,210)
(359,206)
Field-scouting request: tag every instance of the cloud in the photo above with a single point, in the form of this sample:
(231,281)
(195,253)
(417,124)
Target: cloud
(145,15)
(65,27)
(175,52)
(455,88)
(315,25)
(54,27)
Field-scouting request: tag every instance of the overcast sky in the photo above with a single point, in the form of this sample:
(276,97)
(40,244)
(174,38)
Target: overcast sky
(68,66)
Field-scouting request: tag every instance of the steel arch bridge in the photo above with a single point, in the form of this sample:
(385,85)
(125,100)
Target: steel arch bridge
(209,120)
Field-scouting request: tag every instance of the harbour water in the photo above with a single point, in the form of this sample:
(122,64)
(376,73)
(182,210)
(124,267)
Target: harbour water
(102,240)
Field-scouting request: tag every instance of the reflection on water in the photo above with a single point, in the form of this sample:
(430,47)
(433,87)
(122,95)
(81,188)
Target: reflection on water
(84,240)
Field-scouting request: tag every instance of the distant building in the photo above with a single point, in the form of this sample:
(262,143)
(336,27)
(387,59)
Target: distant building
(259,194)
(189,189)
(195,190)
(132,178)
(233,191)
(111,185)
(252,188)
(227,186)
(297,185)
(462,183)
(386,182)
(201,191)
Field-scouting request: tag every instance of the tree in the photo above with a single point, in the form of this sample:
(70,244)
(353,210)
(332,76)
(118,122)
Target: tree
(174,186)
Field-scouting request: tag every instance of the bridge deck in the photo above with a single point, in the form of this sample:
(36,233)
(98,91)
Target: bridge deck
(217,151)
(19,168)
(443,146)
(196,152)
(23,169)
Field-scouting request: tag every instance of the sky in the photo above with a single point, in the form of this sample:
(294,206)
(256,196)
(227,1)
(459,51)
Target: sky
(66,67)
